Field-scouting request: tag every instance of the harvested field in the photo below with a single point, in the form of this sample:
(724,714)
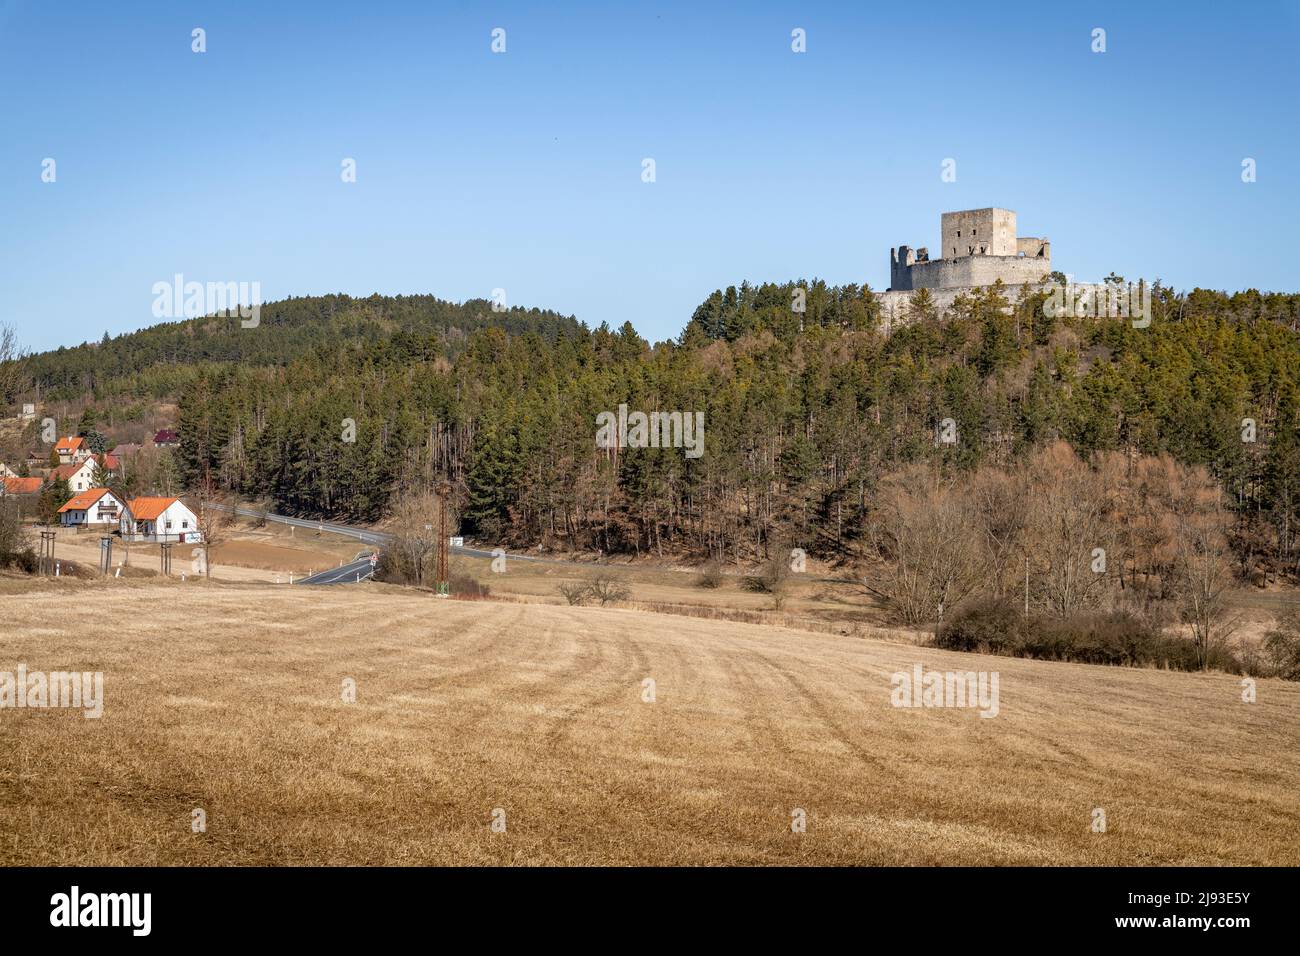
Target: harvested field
(226,697)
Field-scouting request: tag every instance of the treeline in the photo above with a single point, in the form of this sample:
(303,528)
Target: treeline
(806,412)
(145,363)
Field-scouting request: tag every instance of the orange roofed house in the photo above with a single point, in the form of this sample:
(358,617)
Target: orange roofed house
(71,449)
(98,506)
(159,519)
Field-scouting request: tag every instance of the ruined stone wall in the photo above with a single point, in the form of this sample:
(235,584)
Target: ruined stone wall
(968,271)
(895,306)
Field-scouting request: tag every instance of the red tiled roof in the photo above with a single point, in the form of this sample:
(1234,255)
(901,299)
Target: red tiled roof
(165,435)
(83,501)
(64,472)
(147,509)
(22,486)
(71,443)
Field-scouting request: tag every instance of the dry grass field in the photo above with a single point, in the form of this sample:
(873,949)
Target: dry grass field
(226,697)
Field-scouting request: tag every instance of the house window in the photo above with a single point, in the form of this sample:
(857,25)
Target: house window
(185,523)
(169,526)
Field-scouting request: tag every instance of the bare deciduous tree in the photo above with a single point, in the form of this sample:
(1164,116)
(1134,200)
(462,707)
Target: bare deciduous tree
(925,532)
(415,532)
(215,517)
(1067,504)
(13,368)
(1203,572)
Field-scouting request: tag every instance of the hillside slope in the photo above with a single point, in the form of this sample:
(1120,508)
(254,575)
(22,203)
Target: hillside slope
(231,703)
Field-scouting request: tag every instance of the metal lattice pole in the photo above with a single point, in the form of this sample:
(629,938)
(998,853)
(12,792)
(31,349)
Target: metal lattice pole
(443,490)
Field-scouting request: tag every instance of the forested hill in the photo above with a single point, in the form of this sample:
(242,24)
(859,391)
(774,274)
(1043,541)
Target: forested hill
(288,329)
(336,407)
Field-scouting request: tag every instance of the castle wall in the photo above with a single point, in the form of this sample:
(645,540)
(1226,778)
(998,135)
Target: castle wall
(968,271)
(895,306)
(1033,247)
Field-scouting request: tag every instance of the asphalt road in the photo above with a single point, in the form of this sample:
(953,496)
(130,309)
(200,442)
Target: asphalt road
(381,540)
(353,573)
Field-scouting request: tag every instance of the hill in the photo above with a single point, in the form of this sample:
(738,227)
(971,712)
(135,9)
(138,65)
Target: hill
(287,330)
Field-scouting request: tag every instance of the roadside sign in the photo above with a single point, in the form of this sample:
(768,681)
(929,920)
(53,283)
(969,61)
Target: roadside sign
(457,542)
(374,559)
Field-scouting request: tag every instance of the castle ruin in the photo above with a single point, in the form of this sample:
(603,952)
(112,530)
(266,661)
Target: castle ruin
(979,247)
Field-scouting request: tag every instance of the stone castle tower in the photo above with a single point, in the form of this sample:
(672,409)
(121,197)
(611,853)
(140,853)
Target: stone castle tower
(979,246)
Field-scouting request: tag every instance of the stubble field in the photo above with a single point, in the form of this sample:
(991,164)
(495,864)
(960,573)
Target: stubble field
(227,698)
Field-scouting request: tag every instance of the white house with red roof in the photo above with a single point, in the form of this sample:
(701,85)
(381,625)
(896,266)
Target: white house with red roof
(71,449)
(159,519)
(79,475)
(94,508)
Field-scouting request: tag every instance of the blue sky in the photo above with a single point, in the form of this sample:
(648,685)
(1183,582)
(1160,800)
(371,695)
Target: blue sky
(522,170)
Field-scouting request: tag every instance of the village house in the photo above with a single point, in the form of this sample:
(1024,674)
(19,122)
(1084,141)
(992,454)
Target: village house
(98,506)
(159,519)
(6,471)
(80,476)
(37,462)
(72,449)
(166,438)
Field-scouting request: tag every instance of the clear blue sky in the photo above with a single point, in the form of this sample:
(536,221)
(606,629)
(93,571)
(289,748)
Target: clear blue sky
(523,170)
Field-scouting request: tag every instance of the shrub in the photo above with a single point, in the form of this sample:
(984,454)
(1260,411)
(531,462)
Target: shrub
(1282,647)
(24,560)
(711,576)
(576,592)
(603,588)
(991,626)
(1117,637)
(607,590)
(465,585)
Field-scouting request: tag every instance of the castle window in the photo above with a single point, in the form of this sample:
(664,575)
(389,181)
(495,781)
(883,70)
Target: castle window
(958,233)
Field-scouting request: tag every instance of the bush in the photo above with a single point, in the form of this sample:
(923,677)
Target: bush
(465,585)
(711,576)
(1282,647)
(603,588)
(576,592)
(607,590)
(1117,637)
(24,560)
(990,626)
